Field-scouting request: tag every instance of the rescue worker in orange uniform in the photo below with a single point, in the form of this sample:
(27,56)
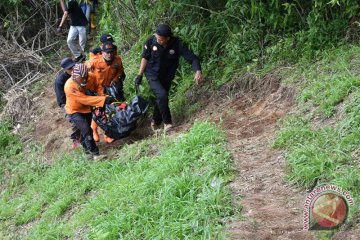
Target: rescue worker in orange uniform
(109,71)
(78,105)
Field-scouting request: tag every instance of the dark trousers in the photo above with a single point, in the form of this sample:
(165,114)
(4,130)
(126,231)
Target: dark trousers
(75,131)
(161,90)
(120,90)
(116,90)
(76,134)
(83,121)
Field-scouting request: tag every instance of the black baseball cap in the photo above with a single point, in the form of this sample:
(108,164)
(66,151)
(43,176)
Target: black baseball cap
(106,37)
(67,63)
(164,30)
(108,47)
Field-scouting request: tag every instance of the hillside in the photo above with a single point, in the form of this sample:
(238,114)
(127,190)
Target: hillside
(276,117)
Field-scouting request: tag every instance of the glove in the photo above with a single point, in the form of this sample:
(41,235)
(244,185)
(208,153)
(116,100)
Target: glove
(138,79)
(109,100)
(59,30)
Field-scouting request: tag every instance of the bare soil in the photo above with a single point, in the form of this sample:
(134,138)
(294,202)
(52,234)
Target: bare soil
(272,209)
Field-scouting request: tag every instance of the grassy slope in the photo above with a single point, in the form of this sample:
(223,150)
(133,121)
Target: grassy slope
(317,152)
(75,197)
(156,188)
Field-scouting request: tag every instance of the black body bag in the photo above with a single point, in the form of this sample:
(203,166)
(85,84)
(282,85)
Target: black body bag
(118,120)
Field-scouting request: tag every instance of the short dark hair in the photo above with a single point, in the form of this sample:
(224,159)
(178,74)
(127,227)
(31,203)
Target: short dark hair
(164,30)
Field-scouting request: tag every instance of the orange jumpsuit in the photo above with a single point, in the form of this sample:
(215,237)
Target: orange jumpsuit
(77,101)
(105,73)
(93,55)
(105,76)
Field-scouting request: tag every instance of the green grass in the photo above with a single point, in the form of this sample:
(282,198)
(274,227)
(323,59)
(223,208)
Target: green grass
(155,189)
(330,80)
(321,153)
(10,151)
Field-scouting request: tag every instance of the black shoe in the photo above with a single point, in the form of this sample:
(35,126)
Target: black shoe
(80,59)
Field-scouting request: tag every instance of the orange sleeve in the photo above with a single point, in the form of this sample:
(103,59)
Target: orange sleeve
(95,85)
(89,64)
(94,101)
(100,90)
(92,55)
(77,101)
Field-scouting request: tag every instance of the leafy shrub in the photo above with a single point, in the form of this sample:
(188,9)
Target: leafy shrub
(9,143)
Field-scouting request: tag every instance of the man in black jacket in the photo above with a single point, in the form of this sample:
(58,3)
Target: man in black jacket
(160,59)
(64,74)
(67,65)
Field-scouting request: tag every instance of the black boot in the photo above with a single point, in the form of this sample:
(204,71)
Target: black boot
(90,145)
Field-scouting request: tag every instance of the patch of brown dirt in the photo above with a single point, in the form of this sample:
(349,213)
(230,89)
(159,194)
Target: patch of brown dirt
(272,209)
(50,126)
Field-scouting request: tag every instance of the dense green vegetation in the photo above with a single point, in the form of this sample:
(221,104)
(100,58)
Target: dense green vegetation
(232,37)
(163,188)
(10,150)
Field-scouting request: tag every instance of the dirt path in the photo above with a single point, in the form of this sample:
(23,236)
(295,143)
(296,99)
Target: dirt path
(271,208)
